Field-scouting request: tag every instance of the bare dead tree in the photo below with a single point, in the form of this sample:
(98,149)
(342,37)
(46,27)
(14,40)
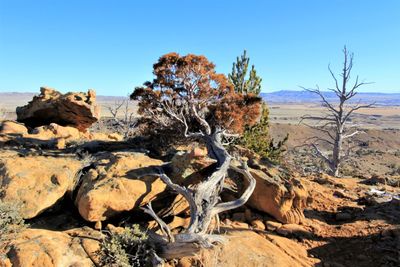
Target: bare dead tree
(186,96)
(333,125)
(123,117)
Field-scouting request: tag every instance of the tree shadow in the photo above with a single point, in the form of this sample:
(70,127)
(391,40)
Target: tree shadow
(362,251)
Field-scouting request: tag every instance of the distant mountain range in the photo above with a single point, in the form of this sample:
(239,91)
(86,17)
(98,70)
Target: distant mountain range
(286,96)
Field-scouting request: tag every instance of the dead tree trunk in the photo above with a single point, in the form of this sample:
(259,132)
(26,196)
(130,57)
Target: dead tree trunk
(204,203)
(333,127)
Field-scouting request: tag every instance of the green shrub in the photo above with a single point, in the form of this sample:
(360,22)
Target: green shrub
(129,247)
(258,140)
(11,223)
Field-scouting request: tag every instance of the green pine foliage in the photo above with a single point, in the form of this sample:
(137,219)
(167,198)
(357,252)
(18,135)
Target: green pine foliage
(258,140)
(255,138)
(238,76)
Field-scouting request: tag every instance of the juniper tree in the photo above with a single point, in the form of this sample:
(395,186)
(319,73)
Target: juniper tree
(189,96)
(239,79)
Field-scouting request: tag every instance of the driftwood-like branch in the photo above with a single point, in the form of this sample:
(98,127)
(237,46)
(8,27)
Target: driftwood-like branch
(163,226)
(204,203)
(221,207)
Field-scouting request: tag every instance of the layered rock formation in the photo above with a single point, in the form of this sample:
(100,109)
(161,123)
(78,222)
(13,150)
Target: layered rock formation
(78,110)
(282,199)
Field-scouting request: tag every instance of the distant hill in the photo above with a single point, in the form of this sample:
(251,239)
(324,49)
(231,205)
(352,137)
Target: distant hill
(18,99)
(307,97)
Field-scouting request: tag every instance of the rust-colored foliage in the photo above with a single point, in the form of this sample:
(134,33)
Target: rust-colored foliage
(188,90)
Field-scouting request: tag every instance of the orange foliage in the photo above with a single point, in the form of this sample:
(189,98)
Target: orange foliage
(187,83)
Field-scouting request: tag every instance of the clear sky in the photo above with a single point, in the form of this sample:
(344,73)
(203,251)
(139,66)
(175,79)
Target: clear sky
(111,45)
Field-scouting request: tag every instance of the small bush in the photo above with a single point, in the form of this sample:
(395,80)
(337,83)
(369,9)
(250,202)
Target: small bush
(257,139)
(11,223)
(129,247)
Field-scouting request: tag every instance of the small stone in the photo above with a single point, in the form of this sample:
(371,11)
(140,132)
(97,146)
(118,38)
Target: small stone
(97,226)
(258,224)
(185,262)
(240,225)
(60,144)
(272,226)
(292,229)
(227,222)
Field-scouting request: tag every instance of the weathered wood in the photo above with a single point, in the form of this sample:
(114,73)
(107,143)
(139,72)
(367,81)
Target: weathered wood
(334,124)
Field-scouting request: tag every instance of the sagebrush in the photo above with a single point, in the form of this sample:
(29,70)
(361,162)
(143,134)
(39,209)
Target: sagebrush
(11,223)
(126,248)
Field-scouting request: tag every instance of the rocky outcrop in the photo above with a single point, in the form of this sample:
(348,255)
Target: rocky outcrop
(78,110)
(284,199)
(35,182)
(277,193)
(44,248)
(115,186)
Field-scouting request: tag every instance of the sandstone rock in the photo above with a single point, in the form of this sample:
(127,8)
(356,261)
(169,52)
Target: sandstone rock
(36,182)
(12,127)
(188,163)
(72,109)
(284,200)
(272,226)
(44,248)
(293,229)
(258,224)
(105,137)
(179,222)
(178,206)
(89,240)
(239,225)
(114,187)
(246,248)
(53,131)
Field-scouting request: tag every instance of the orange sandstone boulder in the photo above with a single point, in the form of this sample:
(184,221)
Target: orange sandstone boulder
(284,199)
(117,185)
(44,248)
(35,182)
(78,110)
(12,127)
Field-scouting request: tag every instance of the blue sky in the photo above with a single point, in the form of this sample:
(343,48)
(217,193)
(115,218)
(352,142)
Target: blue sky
(111,45)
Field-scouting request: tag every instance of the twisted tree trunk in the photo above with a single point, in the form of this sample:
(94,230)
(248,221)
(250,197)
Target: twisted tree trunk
(204,203)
